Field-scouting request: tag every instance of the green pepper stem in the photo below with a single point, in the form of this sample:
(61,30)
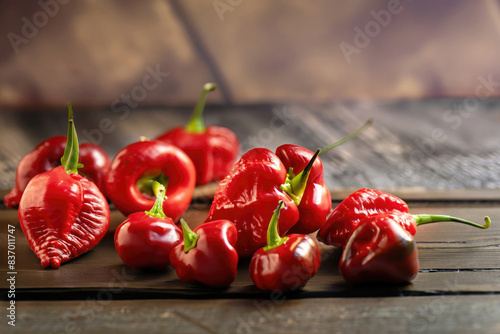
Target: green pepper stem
(69,160)
(157,209)
(295,186)
(196,123)
(145,183)
(426,219)
(190,237)
(347,138)
(273,237)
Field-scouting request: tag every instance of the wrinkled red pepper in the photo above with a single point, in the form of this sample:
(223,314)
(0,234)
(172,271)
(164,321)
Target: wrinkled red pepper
(207,255)
(365,203)
(382,247)
(63,214)
(285,264)
(146,239)
(249,195)
(136,166)
(47,155)
(213,149)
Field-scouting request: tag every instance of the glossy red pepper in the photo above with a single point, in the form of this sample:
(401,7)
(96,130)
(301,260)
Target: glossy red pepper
(382,248)
(249,195)
(47,155)
(207,255)
(136,166)
(213,149)
(316,201)
(62,214)
(145,239)
(364,203)
(285,264)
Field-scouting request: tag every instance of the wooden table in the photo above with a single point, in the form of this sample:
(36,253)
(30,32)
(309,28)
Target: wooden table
(456,290)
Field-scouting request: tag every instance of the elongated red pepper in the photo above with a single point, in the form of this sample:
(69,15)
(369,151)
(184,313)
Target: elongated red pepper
(382,249)
(285,264)
(146,239)
(213,149)
(62,214)
(47,155)
(364,203)
(315,203)
(248,197)
(136,166)
(207,255)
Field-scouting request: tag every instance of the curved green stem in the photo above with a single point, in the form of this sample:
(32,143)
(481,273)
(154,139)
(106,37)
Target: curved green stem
(347,138)
(196,123)
(190,237)
(157,209)
(145,183)
(69,160)
(426,219)
(295,186)
(273,237)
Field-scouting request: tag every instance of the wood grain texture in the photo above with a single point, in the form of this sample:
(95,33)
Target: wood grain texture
(436,314)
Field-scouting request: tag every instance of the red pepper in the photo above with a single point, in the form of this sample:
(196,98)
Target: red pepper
(62,214)
(248,196)
(207,255)
(285,264)
(316,202)
(213,149)
(382,248)
(145,239)
(364,203)
(47,155)
(136,166)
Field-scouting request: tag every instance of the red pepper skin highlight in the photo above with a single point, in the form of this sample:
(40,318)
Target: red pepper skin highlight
(345,218)
(212,259)
(249,195)
(316,201)
(47,155)
(380,250)
(143,241)
(151,159)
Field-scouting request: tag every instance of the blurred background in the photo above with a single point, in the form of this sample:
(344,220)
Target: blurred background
(90,52)
(287,72)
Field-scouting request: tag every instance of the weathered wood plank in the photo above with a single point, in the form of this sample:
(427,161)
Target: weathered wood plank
(435,314)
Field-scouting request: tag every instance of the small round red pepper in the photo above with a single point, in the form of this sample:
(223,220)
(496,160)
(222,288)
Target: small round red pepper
(285,264)
(47,155)
(136,166)
(207,255)
(213,149)
(382,248)
(62,214)
(145,239)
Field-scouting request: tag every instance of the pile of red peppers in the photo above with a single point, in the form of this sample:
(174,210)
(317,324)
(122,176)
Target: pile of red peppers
(266,207)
